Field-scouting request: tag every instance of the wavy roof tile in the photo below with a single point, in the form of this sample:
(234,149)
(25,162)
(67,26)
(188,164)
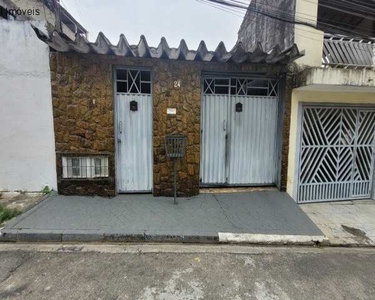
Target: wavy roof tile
(102,45)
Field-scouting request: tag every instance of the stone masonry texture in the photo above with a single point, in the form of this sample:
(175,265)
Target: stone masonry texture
(83,108)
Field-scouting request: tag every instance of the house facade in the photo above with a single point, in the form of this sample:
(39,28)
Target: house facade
(113,106)
(262,114)
(332,109)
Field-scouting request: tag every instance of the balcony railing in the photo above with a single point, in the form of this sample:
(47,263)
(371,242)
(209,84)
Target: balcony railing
(340,52)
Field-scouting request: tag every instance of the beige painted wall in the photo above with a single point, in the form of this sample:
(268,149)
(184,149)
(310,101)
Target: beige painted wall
(299,96)
(307,38)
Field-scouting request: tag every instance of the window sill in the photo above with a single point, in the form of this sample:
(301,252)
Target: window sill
(87,179)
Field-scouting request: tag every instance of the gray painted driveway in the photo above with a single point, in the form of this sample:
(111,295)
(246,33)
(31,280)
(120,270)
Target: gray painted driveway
(265,212)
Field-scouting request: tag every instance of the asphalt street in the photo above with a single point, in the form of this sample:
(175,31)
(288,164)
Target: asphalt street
(152,271)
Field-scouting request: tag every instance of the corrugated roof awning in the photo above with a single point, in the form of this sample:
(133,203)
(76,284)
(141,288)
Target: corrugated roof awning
(102,45)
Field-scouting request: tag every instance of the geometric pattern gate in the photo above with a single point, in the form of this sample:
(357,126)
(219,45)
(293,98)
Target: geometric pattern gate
(336,154)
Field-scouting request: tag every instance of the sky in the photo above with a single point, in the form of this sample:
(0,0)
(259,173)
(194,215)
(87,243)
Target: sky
(174,19)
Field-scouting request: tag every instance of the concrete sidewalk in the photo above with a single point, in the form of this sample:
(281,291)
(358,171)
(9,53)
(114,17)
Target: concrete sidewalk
(257,217)
(347,223)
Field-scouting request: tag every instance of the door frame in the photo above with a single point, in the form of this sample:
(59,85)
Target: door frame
(281,77)
(297,159)
(115,127)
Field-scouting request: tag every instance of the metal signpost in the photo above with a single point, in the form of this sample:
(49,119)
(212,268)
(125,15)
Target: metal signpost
(175,146)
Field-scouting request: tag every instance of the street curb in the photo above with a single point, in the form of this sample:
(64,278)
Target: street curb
(25,236)
(272,239)
(123,238)
(15,235)
(166,238)
(39,237)
(81,237)
(351,245)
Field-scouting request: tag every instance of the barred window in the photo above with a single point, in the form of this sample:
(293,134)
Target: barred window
(76,166)
(85,167)
(133,81)
(241,86)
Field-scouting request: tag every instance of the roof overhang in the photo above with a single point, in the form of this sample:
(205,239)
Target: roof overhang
(102,45)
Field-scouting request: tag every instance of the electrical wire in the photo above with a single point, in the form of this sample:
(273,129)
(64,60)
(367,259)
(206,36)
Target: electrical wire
(312,17)
(275,22)
(287,17)
(82,15)
(243,6)
(231,11)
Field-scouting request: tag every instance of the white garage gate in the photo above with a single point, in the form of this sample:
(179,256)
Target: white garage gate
(239,131)
(336,153)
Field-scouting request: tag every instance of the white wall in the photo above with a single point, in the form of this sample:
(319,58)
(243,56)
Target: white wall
(27,144)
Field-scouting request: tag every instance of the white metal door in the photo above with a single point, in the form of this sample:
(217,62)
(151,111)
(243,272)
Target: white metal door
(134,133)
(239,132)
(252,158)
(213,152)
(336,154)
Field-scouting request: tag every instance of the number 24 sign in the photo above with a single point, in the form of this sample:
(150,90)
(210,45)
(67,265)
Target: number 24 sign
(177,84)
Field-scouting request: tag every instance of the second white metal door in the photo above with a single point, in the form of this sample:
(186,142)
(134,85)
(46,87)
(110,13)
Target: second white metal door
(239,133)
(252,133)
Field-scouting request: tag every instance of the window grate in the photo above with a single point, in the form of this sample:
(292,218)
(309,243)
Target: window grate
(241,86)
(85,167)
(132,81)
(175,146)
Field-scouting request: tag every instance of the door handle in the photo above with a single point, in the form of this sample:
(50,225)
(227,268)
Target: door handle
(224,125)
(119,132)
(120,127)
(226,156)
(226,146)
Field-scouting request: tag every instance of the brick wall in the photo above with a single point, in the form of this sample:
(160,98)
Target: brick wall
(84,126)
(82,96)
(289,80)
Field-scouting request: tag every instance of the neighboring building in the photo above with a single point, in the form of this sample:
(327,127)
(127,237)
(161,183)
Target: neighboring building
(113,106)
(27,152)
(332,108)
(42,10)
(257,28)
